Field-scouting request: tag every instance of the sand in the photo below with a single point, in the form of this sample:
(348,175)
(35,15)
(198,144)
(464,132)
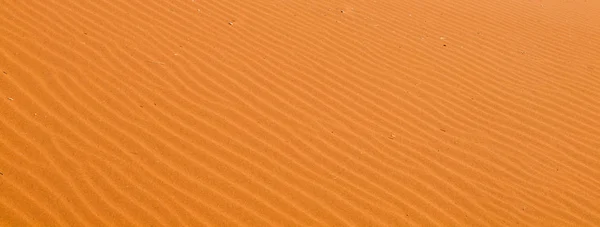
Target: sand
(299,113)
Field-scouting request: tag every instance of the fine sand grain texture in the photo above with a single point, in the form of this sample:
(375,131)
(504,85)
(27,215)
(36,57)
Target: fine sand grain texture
(300,113)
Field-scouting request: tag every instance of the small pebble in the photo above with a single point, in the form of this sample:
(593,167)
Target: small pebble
(11,99)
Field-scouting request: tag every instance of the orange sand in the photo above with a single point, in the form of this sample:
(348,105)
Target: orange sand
(299,113)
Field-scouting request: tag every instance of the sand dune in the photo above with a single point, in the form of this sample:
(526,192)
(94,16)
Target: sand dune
(299,113)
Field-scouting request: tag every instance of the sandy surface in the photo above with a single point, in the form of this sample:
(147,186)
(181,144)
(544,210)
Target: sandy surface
(299,113)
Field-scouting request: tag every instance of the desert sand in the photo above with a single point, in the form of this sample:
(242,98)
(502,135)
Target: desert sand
(300,113)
